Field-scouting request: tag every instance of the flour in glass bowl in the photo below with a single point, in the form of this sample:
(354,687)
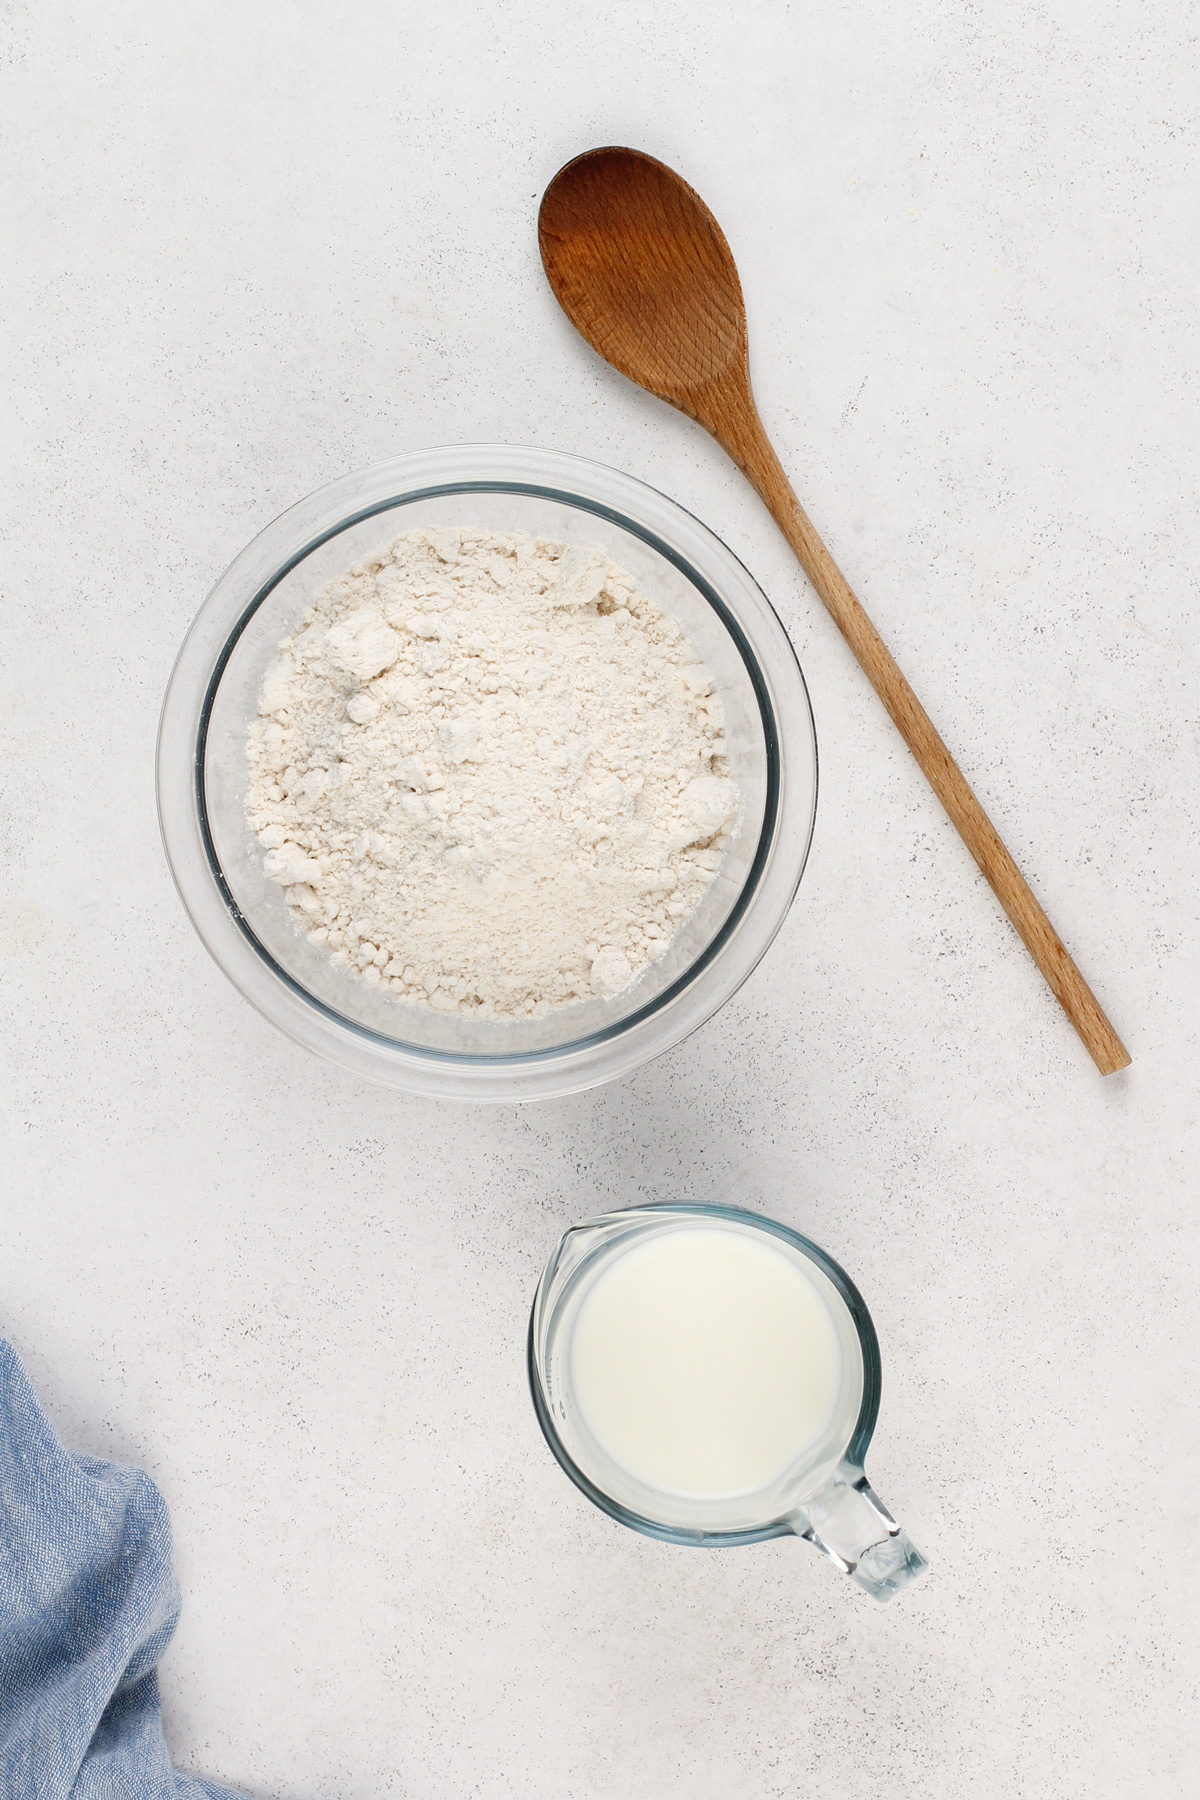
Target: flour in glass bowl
(490,774)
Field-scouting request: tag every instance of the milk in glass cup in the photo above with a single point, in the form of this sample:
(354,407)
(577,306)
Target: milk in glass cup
(707,1376)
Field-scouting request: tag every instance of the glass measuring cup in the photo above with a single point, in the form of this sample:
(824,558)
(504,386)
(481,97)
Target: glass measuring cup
(821,1492)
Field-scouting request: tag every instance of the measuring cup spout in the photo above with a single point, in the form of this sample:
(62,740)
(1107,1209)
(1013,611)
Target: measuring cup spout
(848,1523)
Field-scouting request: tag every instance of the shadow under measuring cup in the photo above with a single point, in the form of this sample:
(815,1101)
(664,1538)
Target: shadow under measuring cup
(708,1376)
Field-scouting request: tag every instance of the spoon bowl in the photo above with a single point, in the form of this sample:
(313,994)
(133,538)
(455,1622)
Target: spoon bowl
(642,270)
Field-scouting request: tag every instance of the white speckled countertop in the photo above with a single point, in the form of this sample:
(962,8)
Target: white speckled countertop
(256,247)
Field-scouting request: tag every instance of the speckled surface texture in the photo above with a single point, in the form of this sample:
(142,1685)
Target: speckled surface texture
(256,247)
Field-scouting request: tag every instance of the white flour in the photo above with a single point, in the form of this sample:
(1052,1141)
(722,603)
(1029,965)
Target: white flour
(489,773)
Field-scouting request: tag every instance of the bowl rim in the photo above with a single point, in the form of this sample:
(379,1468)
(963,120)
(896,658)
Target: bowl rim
(245,586)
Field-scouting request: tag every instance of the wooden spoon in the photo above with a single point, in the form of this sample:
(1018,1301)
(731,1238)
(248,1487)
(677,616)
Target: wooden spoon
(641,268)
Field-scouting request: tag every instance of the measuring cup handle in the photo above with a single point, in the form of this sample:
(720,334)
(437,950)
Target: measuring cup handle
(848,1522)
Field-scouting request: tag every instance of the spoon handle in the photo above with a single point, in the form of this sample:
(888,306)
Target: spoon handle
(740,431)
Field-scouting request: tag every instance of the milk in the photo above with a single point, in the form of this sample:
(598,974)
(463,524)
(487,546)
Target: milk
(705,1361)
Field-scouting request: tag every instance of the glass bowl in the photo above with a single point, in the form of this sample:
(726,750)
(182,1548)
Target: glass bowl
(242,915)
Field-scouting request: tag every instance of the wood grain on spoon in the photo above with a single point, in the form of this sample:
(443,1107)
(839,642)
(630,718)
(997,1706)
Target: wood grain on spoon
(642,270)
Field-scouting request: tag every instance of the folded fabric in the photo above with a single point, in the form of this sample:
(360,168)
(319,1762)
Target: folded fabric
(88,1602)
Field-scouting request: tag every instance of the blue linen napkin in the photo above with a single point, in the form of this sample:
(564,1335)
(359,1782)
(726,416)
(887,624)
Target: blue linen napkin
(88,1602)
